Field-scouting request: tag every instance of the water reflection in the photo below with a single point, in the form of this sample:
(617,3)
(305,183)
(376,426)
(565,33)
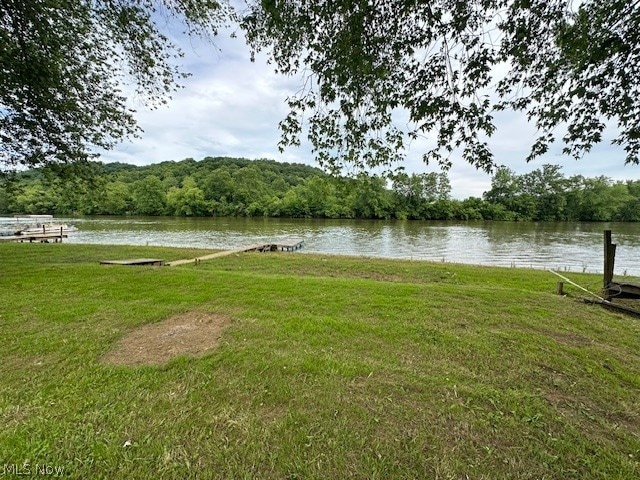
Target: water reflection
(573,246)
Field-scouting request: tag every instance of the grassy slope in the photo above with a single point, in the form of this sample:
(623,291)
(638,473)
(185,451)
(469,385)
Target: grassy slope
(331,368)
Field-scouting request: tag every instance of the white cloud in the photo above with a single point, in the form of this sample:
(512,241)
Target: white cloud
(232,107)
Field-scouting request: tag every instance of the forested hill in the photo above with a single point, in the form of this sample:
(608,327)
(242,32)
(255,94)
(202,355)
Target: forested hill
(293,173)
(224,186)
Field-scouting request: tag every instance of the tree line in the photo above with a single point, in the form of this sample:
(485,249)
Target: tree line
(224,186)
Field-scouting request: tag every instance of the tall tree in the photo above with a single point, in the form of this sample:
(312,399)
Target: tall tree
(602,199)
(547,186)
(188,200)
(65,63)
(572,65)
(505,186)
(149,197)
(449,64)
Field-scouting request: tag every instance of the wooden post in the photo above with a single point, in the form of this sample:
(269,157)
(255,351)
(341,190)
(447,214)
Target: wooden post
(609,262)
(560,288)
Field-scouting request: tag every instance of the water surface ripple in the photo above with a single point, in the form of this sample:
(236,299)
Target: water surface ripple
(567,246)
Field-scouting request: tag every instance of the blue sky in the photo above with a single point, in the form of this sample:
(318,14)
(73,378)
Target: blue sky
(231,107)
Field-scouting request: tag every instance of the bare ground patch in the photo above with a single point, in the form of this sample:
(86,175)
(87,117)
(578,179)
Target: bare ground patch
(564,337)
(569,338)
(191,334)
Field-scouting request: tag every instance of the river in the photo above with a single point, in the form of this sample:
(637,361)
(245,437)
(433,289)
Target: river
(571,246)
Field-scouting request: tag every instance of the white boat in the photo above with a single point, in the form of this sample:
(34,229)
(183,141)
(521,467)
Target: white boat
(32,225)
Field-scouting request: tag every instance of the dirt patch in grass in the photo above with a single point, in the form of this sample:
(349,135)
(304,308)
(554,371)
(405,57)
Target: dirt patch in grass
(191,334)
(569,338)
(566,338)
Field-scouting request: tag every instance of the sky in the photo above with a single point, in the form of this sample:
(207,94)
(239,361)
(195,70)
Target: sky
(230,106)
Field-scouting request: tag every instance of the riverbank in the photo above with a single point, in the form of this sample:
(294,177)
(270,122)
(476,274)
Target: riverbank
(564,246)
(322,367)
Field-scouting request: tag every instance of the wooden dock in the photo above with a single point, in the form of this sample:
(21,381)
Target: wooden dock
(34,237)
(288,245)
(135,262)
(282,246)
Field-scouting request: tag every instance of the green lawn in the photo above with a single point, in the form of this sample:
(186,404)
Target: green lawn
(331,367)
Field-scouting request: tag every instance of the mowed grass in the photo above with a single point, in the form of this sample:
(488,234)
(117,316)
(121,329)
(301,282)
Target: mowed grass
(331,367)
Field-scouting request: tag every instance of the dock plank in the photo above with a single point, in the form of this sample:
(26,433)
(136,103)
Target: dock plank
(287,245)
(135,262)
(211,256)
(35,237)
